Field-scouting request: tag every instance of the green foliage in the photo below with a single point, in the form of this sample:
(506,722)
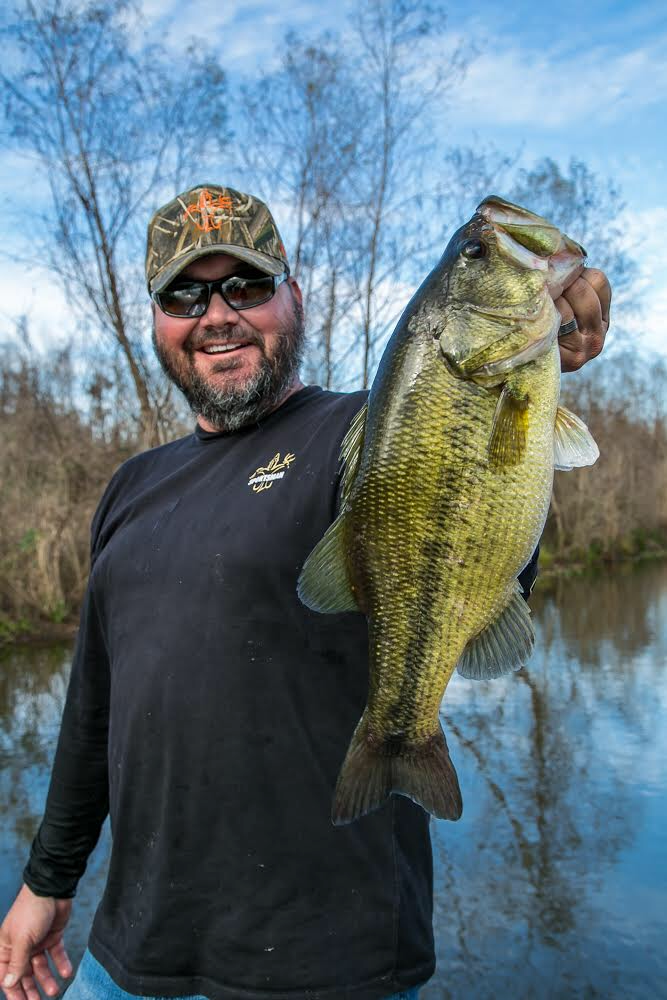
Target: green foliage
(546,558)
(595,552)
(58,613)
(28,541)
(12,630)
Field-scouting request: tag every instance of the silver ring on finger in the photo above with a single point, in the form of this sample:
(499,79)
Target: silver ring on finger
(568,327)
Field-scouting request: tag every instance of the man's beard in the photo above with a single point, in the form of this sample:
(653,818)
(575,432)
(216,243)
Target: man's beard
(231,408)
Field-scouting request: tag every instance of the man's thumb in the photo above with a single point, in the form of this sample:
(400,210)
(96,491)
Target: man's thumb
(16,967)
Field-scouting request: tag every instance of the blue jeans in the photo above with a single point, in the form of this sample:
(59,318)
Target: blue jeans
(92,982)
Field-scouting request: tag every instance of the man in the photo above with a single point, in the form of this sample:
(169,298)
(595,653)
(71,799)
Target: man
(208,710)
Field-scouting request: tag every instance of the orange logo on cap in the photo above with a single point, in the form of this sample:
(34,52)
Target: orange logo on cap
(209,209)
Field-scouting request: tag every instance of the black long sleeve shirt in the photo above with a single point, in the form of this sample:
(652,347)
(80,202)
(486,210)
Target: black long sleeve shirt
(209,712)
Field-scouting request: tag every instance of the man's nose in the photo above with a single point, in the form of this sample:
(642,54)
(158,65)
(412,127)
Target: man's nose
(219,313)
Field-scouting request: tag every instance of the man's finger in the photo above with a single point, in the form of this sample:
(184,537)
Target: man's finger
(30,988)
(565,309)
(15,993)
(599,283)
(572,346)
(42,973)
(585,304)
(60,959)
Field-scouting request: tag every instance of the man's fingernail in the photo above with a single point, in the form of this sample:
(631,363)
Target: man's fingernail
(9,980)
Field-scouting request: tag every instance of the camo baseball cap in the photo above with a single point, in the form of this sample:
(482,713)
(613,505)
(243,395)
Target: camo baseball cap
(209,219)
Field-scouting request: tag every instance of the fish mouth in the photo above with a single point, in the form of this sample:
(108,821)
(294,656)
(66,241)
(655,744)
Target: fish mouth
(534,242)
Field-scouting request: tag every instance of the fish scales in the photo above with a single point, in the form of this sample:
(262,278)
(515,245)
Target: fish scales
(422,608)
(445,492)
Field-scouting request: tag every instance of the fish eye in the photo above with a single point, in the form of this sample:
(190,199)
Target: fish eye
(474,249)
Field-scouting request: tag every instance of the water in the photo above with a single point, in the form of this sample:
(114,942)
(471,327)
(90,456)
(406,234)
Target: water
(554,882)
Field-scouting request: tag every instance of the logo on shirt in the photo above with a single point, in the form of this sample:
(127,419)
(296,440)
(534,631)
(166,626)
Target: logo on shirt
(264,477)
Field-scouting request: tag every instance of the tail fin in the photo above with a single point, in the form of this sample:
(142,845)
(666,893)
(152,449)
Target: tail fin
(372,770)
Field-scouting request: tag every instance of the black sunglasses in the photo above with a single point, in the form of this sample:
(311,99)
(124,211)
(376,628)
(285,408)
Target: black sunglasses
(188,299)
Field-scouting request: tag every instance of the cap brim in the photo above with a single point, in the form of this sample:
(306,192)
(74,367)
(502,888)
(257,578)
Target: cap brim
(262,261)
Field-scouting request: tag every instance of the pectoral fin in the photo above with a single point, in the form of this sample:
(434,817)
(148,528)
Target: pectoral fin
(507,444)
(324,584)
(503,646)
(574,446)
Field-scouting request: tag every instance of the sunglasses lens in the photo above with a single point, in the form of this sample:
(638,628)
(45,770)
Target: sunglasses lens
(244,293)
(191,298)
(187,300)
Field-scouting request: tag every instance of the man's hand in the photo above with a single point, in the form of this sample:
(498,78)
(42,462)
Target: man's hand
(586,300)
(32,931)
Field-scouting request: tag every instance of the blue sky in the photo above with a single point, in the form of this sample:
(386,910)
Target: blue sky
(584,80)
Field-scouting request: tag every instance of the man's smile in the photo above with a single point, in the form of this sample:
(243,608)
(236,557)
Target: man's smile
(223,348)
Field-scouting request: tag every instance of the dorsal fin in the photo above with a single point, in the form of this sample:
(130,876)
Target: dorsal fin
(350,452)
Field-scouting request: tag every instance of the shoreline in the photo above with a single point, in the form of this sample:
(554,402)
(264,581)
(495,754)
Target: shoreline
(547,578)
(563,570)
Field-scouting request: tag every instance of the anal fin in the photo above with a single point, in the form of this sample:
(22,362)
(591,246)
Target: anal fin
(503,646)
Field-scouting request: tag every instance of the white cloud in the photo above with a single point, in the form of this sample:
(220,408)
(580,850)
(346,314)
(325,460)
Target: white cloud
(552,89)
(33,294)
(246,38)
(645,234)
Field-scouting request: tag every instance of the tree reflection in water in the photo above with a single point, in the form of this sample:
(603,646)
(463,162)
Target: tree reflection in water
(33,684)
(561,779)
(554,882)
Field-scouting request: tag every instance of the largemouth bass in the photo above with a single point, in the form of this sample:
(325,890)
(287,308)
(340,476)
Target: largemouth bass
(447,477)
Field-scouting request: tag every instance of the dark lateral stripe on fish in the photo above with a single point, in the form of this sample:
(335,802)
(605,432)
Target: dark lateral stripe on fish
(426,632)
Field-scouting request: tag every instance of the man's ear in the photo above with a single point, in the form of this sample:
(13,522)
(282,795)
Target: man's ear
(296,291)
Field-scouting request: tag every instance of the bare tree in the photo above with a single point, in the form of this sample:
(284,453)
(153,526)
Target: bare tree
(54,462)
(110,126)
(301,149)
(342,145)
(468,174)
(401,95)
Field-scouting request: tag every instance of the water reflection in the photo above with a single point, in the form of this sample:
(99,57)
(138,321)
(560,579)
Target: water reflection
(31,703)
(540,888)
(33,684)
(554,883)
